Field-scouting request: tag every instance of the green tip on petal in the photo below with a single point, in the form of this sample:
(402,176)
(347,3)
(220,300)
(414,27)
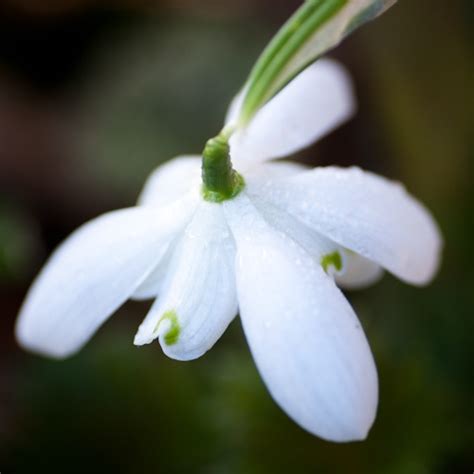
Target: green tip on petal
(333,259)
(172,335)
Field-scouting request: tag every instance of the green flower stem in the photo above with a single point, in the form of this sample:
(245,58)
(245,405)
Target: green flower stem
(316,27)
(220,181)
(294,33)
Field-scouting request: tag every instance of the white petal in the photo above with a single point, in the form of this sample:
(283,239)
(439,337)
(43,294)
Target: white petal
(199,299)
(90,275)
(309,107)
(313,243)
(354,272)
(171,181)
(261,174)
(152,286)
(367,214)
(358,272)
(306,340)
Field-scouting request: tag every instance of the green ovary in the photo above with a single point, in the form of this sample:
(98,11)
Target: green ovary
(220,181)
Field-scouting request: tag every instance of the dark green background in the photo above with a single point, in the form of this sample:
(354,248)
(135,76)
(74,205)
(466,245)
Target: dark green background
(92,97)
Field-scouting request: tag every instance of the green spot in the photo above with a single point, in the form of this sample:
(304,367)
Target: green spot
(172,335)
(333,259)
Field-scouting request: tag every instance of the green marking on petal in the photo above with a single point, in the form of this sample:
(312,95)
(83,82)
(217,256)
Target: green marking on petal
(333,259)
(172,335)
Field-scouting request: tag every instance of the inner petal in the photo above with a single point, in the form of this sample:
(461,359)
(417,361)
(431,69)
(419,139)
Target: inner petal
(153,285)
(198,299)
(347,268)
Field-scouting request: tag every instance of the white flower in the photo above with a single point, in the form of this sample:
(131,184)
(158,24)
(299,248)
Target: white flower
(274,254)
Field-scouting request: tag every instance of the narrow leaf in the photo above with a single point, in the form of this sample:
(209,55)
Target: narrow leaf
(316,27)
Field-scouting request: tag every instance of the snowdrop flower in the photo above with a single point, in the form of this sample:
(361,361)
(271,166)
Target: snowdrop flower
(275,249)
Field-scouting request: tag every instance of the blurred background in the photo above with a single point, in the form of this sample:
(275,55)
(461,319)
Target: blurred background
(93,95)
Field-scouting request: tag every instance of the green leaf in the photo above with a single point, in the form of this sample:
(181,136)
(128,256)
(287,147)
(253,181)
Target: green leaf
(316,27)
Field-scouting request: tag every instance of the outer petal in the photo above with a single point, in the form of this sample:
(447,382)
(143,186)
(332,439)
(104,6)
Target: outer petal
(309,107)
(91,274)
(313,243)
(170,181)
(199,299)
(367,214)
(305,338)
(262,174)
